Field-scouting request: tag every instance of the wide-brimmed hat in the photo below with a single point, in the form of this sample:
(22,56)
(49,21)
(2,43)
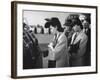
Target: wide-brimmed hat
(52,21)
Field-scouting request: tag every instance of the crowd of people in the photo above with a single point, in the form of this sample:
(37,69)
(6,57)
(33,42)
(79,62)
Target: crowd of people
(71,45)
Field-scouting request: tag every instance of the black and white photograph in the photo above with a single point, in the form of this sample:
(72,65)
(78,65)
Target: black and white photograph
(54,39)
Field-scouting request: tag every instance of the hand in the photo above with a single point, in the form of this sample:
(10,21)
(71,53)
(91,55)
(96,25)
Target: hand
(50,45)
(74,56)
(50,48)
(33,58)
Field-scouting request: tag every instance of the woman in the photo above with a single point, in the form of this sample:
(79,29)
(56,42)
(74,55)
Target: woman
(58,53)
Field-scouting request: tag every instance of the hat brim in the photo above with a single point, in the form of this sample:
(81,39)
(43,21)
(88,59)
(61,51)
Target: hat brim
(47,19)
(47,24)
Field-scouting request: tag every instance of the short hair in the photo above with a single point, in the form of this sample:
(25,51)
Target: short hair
(54,21)
(77,22)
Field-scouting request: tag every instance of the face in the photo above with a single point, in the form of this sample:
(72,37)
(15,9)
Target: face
(85,24)
(53,30)
(66,27)
(26,28)
(76,28)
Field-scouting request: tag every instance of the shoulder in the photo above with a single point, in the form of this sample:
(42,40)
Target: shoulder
(84,36)
(62,37)
(73,34)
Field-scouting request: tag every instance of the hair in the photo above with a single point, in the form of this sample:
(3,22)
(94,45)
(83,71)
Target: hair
(77,22)
(58,25)
(55,23)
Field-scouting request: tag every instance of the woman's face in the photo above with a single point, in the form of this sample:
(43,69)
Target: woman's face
(76,28)
(53,29)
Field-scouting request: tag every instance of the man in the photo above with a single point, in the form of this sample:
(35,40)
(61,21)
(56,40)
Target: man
(32,57)
(78,44)
(68,29)
(58,48)
(87,31)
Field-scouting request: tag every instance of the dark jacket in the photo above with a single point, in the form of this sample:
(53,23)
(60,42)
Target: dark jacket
(32,57)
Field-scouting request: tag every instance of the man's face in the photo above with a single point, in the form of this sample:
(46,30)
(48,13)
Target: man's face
(85,24)
(67,28)
(53,30)
(76,28)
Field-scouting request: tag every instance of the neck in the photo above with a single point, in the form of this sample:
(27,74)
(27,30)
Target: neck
(59,32)
(79,30)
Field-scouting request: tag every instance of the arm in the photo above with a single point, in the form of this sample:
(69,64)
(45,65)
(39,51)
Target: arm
(59,48)
(82,48)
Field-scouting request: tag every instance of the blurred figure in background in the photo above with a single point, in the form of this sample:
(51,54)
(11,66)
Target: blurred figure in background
(87,30)
(68,29)
(31,53)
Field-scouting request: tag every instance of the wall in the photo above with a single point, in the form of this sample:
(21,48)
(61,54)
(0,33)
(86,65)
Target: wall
(5,40)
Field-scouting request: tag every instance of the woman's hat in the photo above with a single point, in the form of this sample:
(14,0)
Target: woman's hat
(53,21)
